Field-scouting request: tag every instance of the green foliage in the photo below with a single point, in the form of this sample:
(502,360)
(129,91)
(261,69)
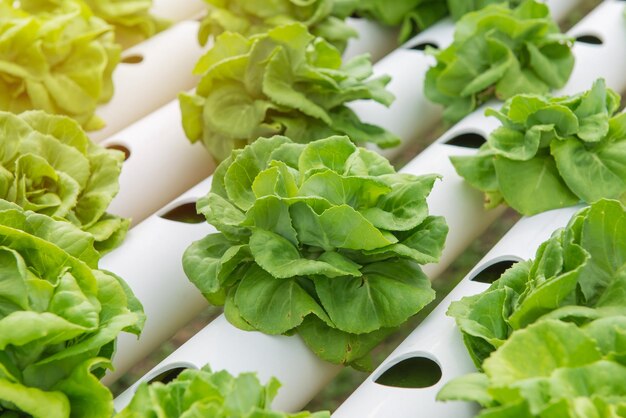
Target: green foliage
(550,334)
(323,18)
(55,57)
(285,81)
(501,52)
(317,239)
(131,18)
(552,152)
(203,394)
(59,318)
(49,166)
(578,275)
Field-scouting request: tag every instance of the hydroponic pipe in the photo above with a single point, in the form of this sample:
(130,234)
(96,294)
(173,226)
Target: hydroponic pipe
(138,79)
(442,202)
(178,10)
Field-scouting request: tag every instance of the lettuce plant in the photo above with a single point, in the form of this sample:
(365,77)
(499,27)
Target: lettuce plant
(550,334)
(324,18)
(317,239)
(59,318)
(55,57)
(285,81)
(49,166)
(578,275)
(552,152)
(203,394)
(459,8)
(552,369)
(131,18)
(501,52)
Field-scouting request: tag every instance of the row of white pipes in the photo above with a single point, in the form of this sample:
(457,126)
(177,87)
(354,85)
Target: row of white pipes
(171,301)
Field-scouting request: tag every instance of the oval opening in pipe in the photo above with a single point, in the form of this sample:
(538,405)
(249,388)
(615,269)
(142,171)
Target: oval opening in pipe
(422,46)
(132,59)
(168,375)
(185,213)
(467,140)
(589,39)
(122,148)
(493,272)
(411,373)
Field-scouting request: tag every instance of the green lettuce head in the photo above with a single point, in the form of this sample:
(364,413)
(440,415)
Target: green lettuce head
(324,18)
(59,319)
(131,18)
(552,369)
(203,394)
(578,275)
(56,57)
(285,81)
(316,239)
(499,52)
(49,166)
(552,152)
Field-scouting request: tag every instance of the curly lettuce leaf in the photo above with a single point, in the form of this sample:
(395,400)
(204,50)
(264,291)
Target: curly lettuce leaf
(499,52)
(285,81)
(59,318)
(323,18)
(204,393)
(48,165)
(312,234)
(56,57)
(578,275)
(552,152)
(552,369)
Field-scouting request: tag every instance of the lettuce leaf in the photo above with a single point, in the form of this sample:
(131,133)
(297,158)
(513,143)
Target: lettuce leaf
(59,318)
(317,239)
(131,18)
(285,81)
(550,334)
(578,275)
(499,52)
(56,57)
(323,18)
(552,152)
(204,393)
(49,166)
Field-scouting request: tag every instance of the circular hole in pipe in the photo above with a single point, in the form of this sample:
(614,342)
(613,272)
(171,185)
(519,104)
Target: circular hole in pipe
(467,140)
(589,39)
(411,373)
(185,213)
(168,375)
(132,59)
(493,272)
(423,45)
(122,148)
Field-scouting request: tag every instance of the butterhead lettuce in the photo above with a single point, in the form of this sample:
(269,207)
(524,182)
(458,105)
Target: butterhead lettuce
(323,18)
(59,318)
(552,152)
(499,52)
(207,394)
(56,57)
(285,81)
(316,239)
(49,166)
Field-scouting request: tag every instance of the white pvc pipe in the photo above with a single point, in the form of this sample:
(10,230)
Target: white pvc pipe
(167,60)
(151,177)
(439,339)
(374,400)
(178,10)
(374,39)
(443,201)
